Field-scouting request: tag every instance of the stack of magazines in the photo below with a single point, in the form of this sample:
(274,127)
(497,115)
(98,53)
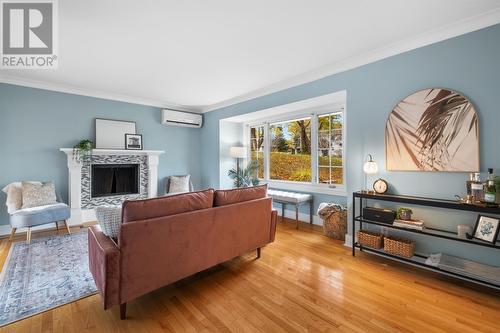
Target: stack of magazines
(465,267)
(409,224)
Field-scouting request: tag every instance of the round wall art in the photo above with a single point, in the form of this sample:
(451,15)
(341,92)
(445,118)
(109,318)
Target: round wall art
(433,130)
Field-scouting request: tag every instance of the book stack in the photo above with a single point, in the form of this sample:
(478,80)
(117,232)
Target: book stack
(409,224)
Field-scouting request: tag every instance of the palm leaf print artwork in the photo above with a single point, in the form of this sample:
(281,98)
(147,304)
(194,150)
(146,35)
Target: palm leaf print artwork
(433,130)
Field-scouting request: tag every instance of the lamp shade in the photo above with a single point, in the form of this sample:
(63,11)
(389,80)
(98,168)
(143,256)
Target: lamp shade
(370,167)
(238,152)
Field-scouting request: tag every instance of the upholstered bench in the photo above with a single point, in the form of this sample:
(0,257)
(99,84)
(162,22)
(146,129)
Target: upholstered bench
(295,198)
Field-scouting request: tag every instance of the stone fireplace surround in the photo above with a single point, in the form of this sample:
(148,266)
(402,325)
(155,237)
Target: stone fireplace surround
(81,202)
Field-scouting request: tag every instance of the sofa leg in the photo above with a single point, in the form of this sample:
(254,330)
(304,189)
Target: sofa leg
(67,226)
(28,236)
(258,253)
(123,311)
(12,233)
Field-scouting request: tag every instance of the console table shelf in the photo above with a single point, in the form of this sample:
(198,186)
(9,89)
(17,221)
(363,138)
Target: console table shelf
(419,259)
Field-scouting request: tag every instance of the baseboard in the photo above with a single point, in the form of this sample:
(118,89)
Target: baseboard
(348,240)
(303,217)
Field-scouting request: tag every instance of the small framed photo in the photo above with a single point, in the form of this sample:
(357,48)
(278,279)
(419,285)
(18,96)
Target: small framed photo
(486,228)
(133,141)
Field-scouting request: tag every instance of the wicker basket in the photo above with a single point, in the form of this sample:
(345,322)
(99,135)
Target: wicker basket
(370,239)
(399,247)
(335,226)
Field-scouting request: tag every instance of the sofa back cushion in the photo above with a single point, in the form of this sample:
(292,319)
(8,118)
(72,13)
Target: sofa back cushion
(228,197)
(137,210)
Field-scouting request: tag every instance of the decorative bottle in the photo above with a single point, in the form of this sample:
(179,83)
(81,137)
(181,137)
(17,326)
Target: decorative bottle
(477,188)
(490,190)
(469,183)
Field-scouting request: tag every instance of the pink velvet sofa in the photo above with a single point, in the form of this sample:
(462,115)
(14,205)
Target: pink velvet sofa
(166,239)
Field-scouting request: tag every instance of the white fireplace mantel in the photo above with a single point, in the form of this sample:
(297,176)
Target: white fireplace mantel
(75,178)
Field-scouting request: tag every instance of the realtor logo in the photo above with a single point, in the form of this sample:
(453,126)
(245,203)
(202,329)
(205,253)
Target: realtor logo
(28,34)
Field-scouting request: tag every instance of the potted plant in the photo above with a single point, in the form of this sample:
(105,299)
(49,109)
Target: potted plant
(245,177)
(404,214)
(82,150)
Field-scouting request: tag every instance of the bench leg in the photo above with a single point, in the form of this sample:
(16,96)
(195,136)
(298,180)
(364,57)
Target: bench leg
(282,212)
(297,215)
(311,212)
(258,252)
(57,225)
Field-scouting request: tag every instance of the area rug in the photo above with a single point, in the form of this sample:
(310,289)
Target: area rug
(45,274)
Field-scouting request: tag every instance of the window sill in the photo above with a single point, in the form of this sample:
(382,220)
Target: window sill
(309,188)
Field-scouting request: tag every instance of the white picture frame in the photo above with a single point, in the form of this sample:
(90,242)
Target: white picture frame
(109,133)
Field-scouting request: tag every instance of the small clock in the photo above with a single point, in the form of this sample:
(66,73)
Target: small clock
(380,186)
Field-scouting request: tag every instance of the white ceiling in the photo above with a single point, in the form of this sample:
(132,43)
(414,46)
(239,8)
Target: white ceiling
(201,54)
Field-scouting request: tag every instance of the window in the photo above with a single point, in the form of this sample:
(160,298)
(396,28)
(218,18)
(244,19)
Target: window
(257,148)
(306,151)
(290,152)
(330,161)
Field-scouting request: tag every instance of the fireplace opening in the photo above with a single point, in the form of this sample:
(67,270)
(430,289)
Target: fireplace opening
(114,179)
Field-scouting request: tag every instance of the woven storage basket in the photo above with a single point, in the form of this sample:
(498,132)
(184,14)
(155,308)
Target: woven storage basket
(399,247)
(335,226)
(370,239)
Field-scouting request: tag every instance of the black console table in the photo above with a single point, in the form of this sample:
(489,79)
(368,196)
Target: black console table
(359,200)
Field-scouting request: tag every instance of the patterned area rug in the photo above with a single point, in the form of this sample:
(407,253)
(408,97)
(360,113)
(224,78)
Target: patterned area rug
(43,275)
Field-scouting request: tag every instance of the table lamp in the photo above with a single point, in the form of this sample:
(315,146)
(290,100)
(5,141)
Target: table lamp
(369,168)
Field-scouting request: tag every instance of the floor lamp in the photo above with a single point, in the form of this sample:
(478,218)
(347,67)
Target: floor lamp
(238,153)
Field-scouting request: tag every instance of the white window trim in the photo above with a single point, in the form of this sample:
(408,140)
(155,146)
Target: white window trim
(313,108)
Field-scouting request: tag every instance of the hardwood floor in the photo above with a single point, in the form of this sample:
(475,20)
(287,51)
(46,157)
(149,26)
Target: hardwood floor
(302,282)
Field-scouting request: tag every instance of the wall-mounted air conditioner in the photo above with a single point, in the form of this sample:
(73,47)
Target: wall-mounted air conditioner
(181,118)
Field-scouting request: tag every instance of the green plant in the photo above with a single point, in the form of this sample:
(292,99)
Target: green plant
(245,177)
(403,211)
(82,150)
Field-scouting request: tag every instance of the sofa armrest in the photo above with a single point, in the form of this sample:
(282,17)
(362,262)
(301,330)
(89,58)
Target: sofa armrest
(104,264)
(274,220)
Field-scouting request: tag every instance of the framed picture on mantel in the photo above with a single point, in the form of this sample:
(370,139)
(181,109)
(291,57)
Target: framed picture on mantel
(433,130)
(109,133)
(133,141)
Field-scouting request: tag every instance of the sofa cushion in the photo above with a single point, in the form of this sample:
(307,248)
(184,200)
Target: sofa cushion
(136,210)
(29,217)
(109,218)
(228,197)
(38,194)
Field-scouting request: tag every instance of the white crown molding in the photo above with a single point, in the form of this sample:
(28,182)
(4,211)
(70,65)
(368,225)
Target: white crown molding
(430,37)
(70,89)
(449,31)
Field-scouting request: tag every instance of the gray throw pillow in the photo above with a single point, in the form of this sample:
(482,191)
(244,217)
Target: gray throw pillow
(110,219)
(38,194)
(179,184)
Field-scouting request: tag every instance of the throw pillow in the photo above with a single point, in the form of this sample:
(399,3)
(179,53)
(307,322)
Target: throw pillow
(110,219)
(179,184)
(35,195)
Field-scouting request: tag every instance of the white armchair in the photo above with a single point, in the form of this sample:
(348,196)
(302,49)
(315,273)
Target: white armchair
(32,216)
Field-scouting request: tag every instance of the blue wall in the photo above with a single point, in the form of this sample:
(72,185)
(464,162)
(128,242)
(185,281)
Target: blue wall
(35,123)
(469,64)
